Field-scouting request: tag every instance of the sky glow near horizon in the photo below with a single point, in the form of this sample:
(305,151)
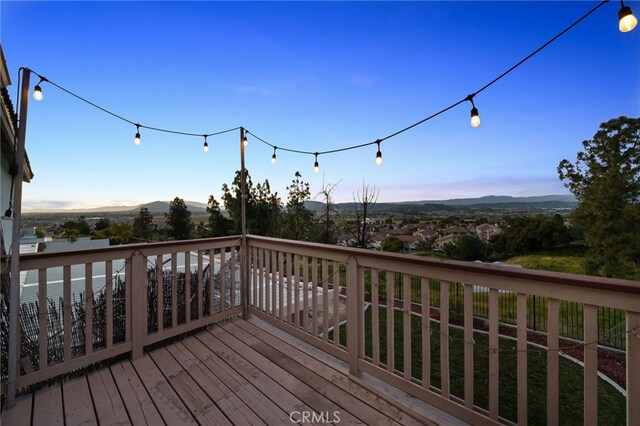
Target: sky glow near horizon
(313,76)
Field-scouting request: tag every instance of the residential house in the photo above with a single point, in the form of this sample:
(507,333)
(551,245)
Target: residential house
(8,168)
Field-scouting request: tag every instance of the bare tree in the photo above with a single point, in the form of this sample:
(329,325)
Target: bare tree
(363,202)
(326,191)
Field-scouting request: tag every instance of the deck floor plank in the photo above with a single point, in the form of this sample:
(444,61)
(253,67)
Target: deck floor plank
(136,399)
(47,406)
(19,414)
(309,395)
(285,398)
(336,378)
(78,405)
(230,404)
(106,399)
(201,407)
(238,373)
(169,404)
(260,404)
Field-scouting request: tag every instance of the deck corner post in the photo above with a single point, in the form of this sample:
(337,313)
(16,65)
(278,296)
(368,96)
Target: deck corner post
(354,327)
(138,303)
(633,368)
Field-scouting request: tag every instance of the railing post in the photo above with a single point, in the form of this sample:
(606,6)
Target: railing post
(138,303)
(14,293)
(633,368)
(355,290)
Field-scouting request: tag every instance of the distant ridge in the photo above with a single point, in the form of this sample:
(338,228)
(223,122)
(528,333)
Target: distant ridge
(499,199)
(491,202)
(154,207)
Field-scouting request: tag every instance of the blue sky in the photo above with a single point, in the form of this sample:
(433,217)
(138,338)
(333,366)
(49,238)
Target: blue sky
(313,76)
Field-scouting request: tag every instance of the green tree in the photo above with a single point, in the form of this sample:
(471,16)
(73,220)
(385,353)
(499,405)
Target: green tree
(143,227)
(102,223)
(467,247)
(263,209)
(118,233)
(522,235)
(219,226)
(606,181)
(392,243)
(178,220)
(298,222)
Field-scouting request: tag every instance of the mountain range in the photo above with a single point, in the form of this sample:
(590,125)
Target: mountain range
(490,201)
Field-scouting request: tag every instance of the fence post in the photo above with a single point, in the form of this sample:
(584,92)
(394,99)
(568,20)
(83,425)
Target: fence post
(138,303)
(355,290)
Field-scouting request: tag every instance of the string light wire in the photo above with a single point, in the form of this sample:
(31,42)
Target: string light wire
(346,148)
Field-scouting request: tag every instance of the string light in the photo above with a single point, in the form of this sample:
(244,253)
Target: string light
(626,18)
(37,91)
(205,147)
(378,155)
(273,157)
(475,117)
(627,23)
(136,140)
(316,166)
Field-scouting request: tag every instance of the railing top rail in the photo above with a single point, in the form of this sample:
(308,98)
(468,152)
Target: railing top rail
(602,283)
(115,252)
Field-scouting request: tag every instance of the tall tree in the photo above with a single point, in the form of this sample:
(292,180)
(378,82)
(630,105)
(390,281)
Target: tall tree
(178,220)
(219,226)
(606,181)
(263,207)
(143,227)
(298,222)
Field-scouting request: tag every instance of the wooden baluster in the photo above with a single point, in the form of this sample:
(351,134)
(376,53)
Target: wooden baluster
(108,280)
(425,302)
(66,302)
(314,296)
(336,303)
(88,324)
(444,339)
(174,289)
(325,300)
(375,317)
(633,367)
(522,358)
(590,364)
(160,292)
(281,284)
(468,346)
(199,297)
(43,333)
(494,354)
(552,362)
(304,286)
(406,325)
(187,287)
(390,323)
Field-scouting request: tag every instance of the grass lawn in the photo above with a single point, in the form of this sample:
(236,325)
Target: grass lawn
(611,407)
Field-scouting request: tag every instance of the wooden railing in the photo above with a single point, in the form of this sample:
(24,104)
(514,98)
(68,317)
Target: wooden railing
(348,302)
(309,289)
(103,303)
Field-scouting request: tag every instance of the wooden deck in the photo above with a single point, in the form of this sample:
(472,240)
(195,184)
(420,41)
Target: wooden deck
(240,372)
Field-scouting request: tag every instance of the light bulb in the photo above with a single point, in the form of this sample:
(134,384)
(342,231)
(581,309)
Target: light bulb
(37,93)
(205,147)
(627,20)
(316,167)
(475,118)
(379,158)
(273,158)
(245,141)
(136,140)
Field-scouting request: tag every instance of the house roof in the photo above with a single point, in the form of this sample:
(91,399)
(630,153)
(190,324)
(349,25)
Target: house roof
(9,121)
